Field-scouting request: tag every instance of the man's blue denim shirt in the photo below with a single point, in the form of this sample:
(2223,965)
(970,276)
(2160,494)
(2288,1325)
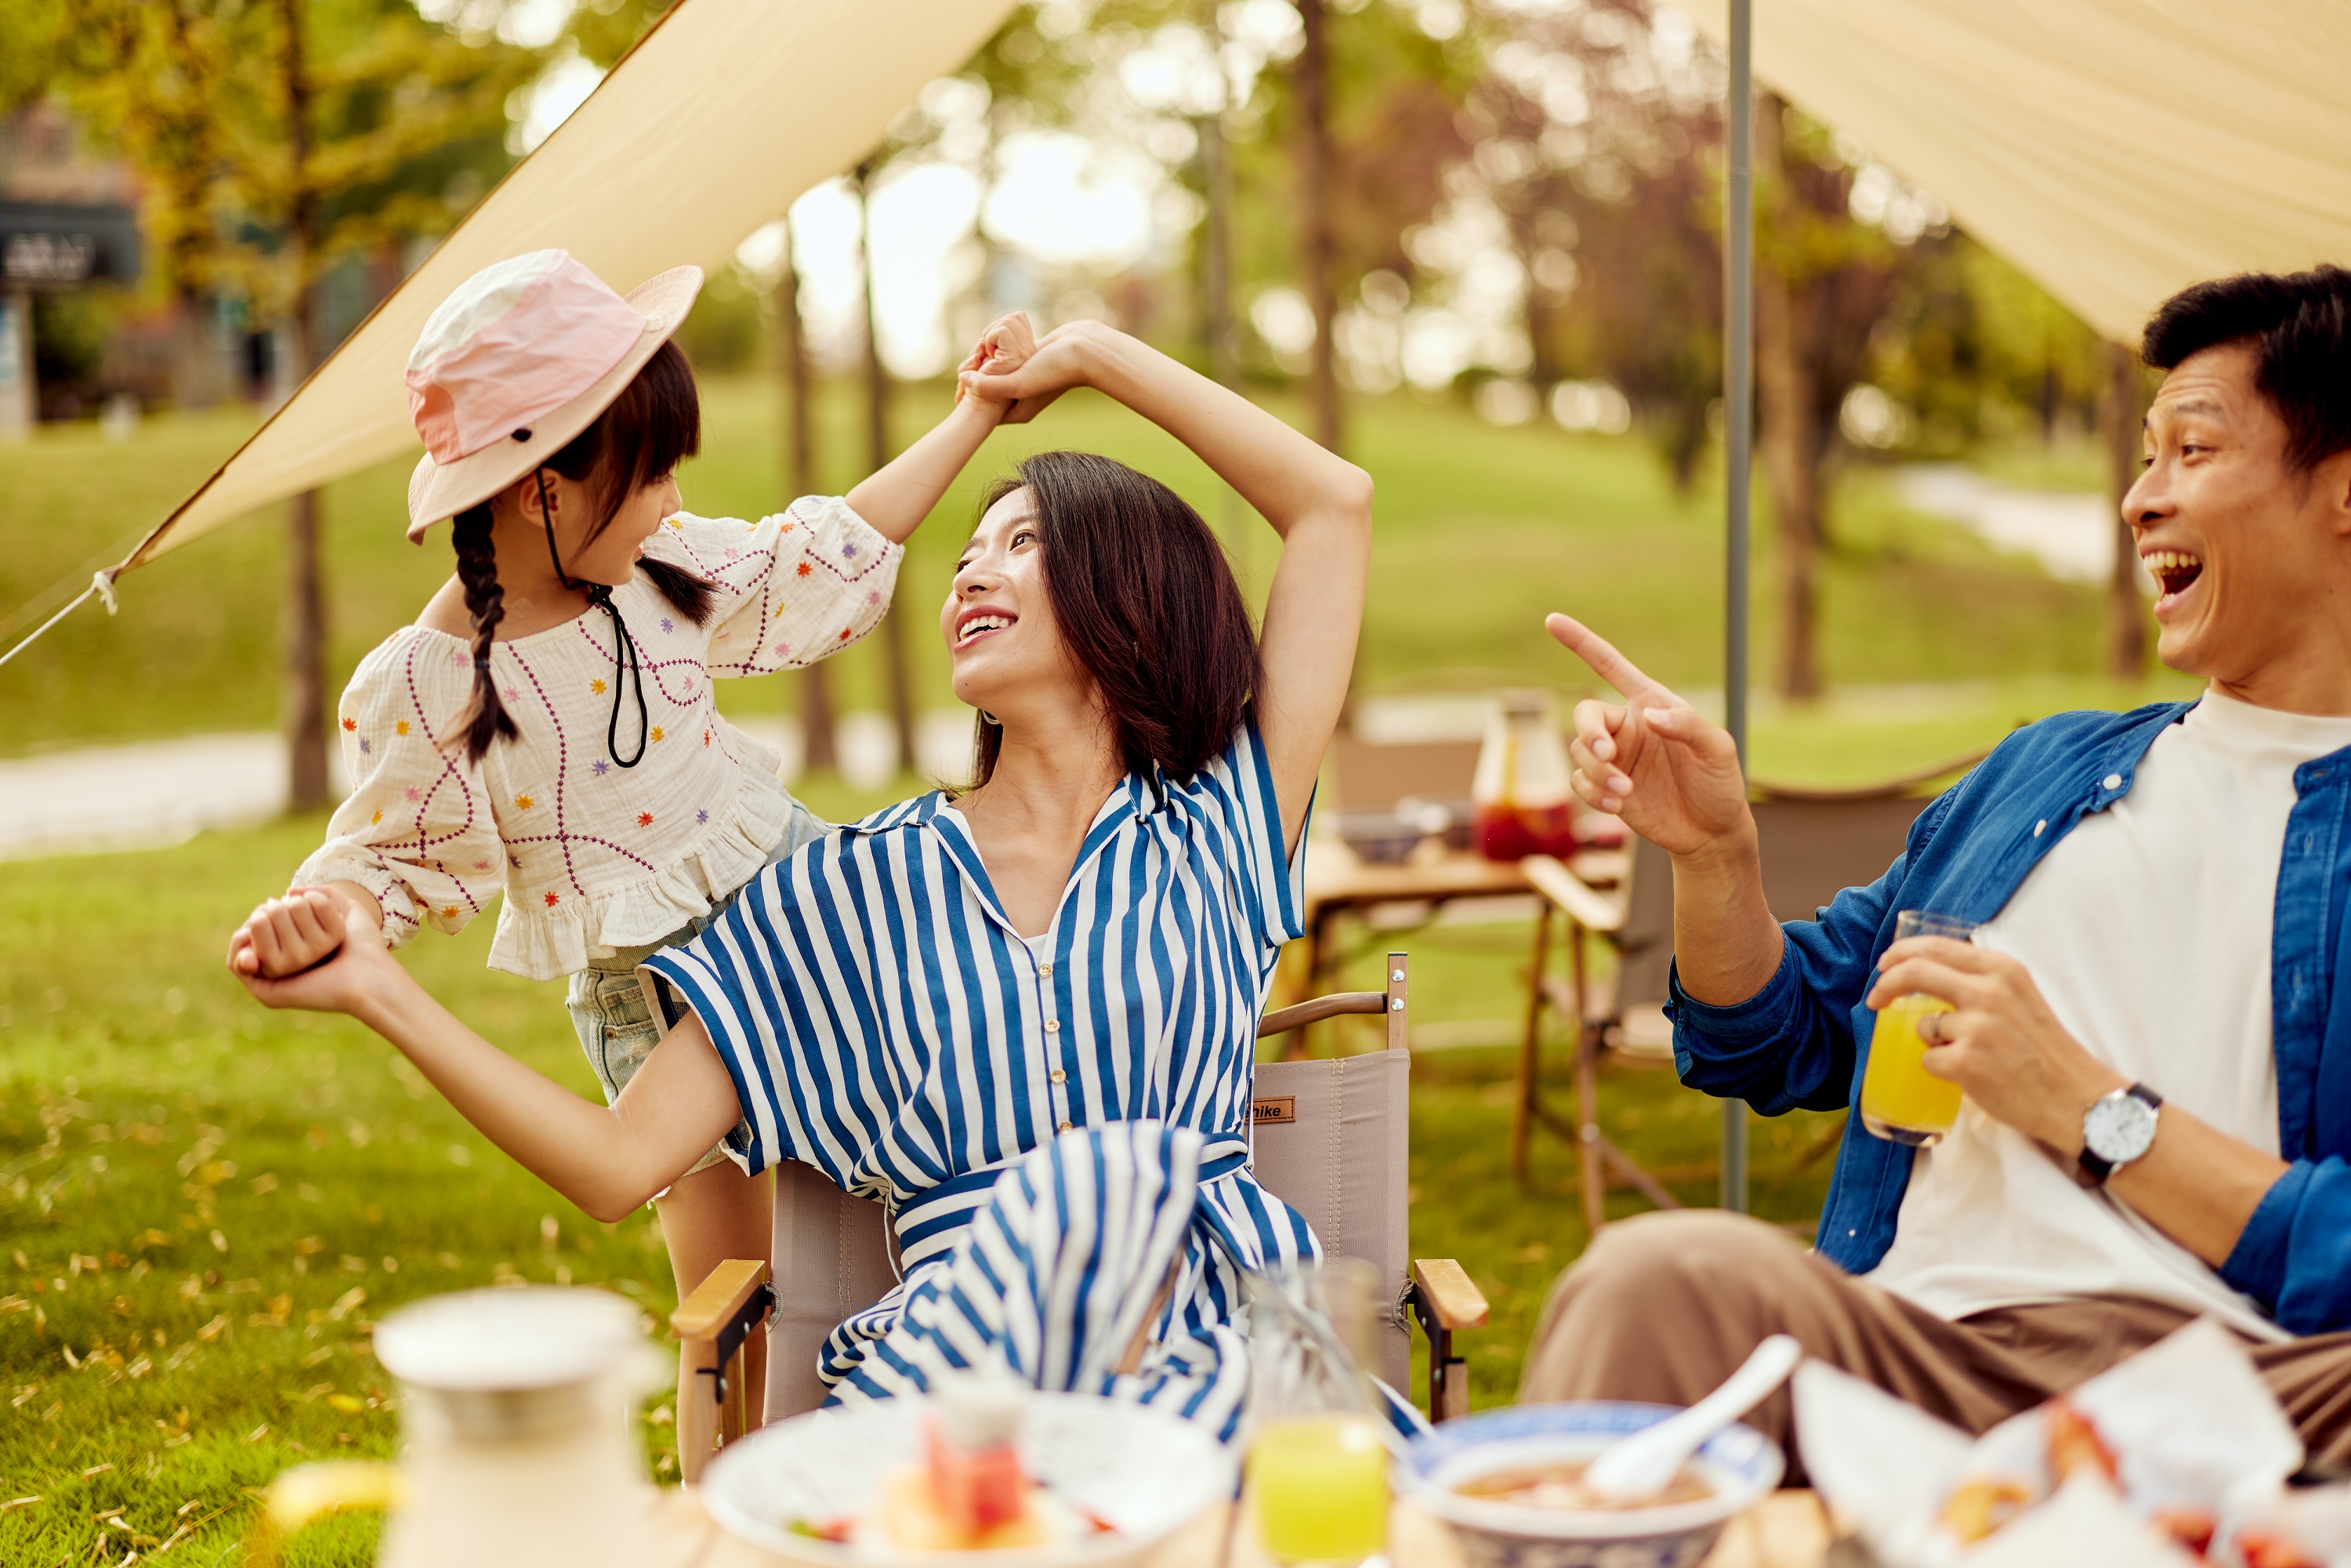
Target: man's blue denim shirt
(1802,1040)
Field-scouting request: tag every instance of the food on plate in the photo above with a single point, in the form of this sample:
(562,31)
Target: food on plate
(969,1493)
(2192,1528)
(1982,1504)
(1559,1485)
(2075,1446)
(2267,1549)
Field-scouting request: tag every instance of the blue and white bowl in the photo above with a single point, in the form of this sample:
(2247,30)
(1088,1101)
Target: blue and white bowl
(1742,1464)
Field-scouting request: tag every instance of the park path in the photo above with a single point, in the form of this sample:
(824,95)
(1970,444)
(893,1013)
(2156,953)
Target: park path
(151,793)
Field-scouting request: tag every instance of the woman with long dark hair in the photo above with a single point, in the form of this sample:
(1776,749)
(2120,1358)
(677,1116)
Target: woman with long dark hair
(1022,1016)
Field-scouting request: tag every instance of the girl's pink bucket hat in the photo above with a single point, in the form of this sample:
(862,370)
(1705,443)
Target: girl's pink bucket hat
(517,362)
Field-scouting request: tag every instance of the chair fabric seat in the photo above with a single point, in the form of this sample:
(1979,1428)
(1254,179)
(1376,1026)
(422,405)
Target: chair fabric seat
(1341,1163)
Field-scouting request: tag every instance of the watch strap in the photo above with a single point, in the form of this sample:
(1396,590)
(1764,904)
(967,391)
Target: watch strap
(2095,1165)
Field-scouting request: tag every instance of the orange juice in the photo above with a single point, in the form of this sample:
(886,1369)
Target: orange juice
(1900,1100)
(1320,1485)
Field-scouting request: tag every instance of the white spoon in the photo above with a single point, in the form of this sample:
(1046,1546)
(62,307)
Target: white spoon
(1645,1463)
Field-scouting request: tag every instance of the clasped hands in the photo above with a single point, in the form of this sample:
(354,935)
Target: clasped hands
(1675,778)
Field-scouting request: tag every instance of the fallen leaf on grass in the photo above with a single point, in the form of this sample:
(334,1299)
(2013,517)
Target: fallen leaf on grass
(348,1302)
(257,1433)
(346,1403)
(97,1470)
(17,1503)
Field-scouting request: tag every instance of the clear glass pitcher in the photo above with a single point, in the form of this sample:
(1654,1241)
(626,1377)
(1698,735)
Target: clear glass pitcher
(515,1410)
(1521,799)
(1318,1456)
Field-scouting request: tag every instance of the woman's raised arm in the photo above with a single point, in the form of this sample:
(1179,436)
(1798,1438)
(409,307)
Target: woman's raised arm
(1319,503)
(606,1160)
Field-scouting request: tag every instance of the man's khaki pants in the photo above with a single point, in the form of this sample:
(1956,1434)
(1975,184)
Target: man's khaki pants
(1665,1306)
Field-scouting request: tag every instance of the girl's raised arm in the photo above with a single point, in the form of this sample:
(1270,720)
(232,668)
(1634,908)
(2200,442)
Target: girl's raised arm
(608,1161)
(1319,503)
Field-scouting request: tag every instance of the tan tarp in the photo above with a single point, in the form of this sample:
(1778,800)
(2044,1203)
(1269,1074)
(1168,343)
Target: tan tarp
(722,115)
(2115,150)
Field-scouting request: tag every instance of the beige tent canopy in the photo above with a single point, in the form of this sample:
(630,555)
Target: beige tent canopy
(2115,150)
(723,114)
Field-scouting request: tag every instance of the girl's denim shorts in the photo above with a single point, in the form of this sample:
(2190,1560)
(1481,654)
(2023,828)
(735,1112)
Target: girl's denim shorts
(619,1024)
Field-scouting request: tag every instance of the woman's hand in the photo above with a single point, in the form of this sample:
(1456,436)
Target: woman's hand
(1670,775)
(1061,358)
(267,955)
(2002,1046)
(286,936)
(1004,348)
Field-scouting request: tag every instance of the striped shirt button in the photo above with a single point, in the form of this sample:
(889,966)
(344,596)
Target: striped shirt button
(1046,968)
(1065,1126)
(1052,1026)
(1060,1076)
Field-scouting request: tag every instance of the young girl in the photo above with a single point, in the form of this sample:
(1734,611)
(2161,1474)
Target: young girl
(545,730)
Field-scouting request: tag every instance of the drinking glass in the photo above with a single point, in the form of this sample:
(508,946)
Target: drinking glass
(1900,1100)
(1318,1458)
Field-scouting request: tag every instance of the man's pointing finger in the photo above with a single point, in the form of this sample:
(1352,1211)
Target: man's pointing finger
(1597,651)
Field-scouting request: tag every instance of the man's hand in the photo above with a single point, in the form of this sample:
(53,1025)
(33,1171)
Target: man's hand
(2002,1046)
(269,953)
(1669,774)
(1063,360)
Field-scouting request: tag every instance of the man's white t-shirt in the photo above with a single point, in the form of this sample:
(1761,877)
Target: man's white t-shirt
(2148,930)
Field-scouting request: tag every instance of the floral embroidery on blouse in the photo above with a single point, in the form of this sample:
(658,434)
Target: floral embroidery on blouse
(657,732)
(645,819)
(523,803)
(400,728)
(597,687)
(350,724)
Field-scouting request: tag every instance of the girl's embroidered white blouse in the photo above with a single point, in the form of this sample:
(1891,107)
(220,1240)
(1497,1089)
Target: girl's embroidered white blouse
(594,857)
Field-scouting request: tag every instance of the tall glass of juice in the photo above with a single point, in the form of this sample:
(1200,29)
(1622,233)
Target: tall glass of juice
(1900,1100)
(1318,1461)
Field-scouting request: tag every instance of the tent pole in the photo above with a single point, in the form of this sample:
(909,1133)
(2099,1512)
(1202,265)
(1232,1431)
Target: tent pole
(1738,428)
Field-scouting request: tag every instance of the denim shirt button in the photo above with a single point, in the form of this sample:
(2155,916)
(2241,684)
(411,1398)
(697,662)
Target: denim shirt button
(2040,827)
(2114,781)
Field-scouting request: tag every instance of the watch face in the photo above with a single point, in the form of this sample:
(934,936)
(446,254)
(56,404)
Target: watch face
(2120,1128)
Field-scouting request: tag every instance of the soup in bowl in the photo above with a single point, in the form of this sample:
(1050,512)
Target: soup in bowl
(1509,1483)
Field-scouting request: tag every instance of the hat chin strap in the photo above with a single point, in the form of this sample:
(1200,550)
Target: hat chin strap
(625,663)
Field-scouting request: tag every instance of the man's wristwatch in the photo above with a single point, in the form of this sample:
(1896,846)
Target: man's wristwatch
(2117,1129)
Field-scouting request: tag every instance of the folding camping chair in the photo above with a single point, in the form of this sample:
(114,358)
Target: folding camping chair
(1814,844)
(1330,1137)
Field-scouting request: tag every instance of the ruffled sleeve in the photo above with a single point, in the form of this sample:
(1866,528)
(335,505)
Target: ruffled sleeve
(417,831)
(792,588)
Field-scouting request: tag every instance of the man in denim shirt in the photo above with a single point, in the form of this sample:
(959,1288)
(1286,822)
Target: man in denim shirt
(2153,1024)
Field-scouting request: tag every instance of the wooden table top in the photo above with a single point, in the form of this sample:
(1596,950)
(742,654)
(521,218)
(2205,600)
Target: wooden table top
(1336,875)
(1787,1529)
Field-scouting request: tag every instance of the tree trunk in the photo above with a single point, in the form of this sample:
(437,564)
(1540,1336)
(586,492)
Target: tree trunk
(2121,409)
(305,608)
(877,436)
(799,479)
(1314,89)
(1791,455)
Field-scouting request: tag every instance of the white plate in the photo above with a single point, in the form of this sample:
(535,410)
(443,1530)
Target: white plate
(1142,1471)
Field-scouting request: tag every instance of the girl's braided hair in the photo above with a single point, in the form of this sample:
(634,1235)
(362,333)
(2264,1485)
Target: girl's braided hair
(653,427)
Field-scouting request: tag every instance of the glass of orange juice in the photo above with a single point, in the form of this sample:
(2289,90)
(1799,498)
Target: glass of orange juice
(1318,1457)
(1900,1100)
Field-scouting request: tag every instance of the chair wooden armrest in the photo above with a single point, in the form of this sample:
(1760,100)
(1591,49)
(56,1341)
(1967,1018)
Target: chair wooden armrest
(1282,1020)
(712,1325)
(1574,897)
(1445,1299)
